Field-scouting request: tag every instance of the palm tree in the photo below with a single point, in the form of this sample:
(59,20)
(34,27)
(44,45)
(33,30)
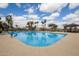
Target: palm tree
(5,26)
(36,23)
(16,26)
(0,26)
(30,23)
(53,27)
(44,24)
(9,21)
(65,27)
(0,18)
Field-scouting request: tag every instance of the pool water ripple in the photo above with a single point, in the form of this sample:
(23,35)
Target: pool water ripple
(37,38)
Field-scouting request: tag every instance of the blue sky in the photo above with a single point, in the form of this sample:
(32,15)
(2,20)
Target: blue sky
(13,8)
(19,11)
(59,11)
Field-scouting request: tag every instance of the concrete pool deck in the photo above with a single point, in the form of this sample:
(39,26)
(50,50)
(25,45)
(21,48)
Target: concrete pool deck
(67,46)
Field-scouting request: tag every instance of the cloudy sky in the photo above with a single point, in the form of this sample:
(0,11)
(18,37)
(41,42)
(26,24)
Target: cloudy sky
(58,13)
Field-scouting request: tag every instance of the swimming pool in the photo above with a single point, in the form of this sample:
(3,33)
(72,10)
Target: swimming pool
(37,38)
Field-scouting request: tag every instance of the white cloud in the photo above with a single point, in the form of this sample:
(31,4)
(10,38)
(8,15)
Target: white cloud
(30,10)
(19,20)
(69,17)
(11,14)
(51,17)
(2,19)
(55,14)
(73,5)
(18,4)
(51,7)
(4,5)
(77,12)
(72,18)
(1,15)
(48,18)
(31,17)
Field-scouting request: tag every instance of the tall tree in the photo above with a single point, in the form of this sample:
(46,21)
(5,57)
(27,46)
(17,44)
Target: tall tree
(0,26)
(16,26)
(9,21)
(36,24)
(30,23)
(44,24)
(53,27)
(0,18)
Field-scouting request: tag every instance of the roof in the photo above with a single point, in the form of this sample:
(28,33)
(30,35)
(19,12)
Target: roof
(71,25)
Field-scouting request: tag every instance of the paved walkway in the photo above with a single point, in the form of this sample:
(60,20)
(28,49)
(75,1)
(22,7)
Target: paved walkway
(69,45)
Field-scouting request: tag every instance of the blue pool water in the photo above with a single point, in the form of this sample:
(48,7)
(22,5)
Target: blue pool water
(37,38)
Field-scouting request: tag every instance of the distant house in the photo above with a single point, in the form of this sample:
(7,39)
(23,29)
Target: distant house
(71,28)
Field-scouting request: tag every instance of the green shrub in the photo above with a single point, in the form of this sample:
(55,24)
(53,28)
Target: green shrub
(0,30)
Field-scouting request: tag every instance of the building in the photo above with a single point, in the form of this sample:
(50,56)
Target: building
(71,28)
